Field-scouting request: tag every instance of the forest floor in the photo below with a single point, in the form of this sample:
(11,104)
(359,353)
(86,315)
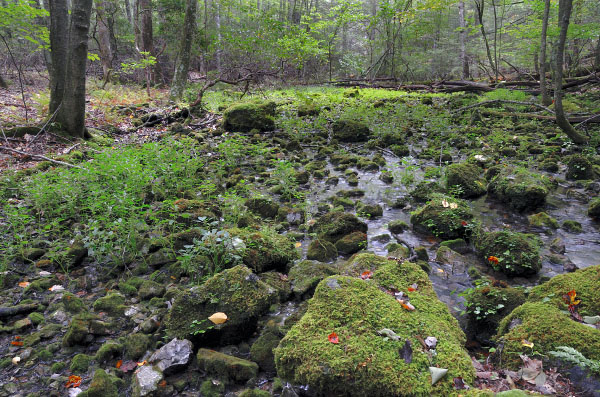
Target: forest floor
(98,256)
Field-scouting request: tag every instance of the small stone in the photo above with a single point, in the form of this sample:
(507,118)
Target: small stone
(431,342)
(146,381)
(172,356)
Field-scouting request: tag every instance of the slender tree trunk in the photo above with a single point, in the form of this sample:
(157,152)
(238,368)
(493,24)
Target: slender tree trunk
(564,13)
(597,56)
(218,51)
(128,11)
(3,83)
(546,101)
(463,40)
(106,52)
(480,8)
(59,29)
(71,115)
(182,63)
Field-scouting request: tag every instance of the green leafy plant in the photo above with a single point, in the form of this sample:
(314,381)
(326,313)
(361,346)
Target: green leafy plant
(573,356)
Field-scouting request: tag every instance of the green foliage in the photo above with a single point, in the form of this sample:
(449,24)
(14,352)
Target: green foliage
(573,356)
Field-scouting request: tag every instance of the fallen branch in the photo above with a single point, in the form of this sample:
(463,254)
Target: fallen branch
(39,156)
(572,119)
(484,103)
(18,309)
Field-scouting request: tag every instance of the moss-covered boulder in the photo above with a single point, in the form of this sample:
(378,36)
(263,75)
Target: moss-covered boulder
(237,292)
(586,284)
(72,303)
(245,117)
(594,209)
(151,289)
(113,304)
(350,130)
(520,189)
(366,361)
(83,328)
(467,179)
(444,217)
(265,250)
(579,167)
(321,250)
(514,254)
(228,369)
(262,206)
(103,385)
(279,282)
(261,351)
(335,225)
(369,210)
(542,220)
(108,351)
(425,189)
(572,226)
(351,243)
(136,345)
(547,327)
(80,364)
(305,275)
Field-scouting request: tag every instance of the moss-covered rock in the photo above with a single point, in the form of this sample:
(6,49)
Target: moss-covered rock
(369,210)
(335,225)
(594,209)
(585,282)
(351,243)
(468,179)
(572,226)
(103,385)
(308,109)
(112,303)
(514,254)
(80,363)
(261,351)
(520,189)
(279,282)
(136,345)
(265,250)
(151,289)
(397,226)
(72,303)
(305,275)
(227,368)
(364,362)
(350,130)
(321,250)
(108,351)
(83,328)
(245,117)
(579,167)
(210,388)
(542,220)
(444,217)
(425,189)
(254,393)
(262,206)
(236,292)
(546,327)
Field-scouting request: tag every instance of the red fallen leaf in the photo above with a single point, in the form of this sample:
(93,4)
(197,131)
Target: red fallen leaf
(74,381)
(464,223)
(16,343)
(162,383)
(119,363)
(333,338)
(366,274)
(128,366)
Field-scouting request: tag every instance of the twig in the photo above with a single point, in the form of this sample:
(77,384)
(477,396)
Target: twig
(503,101)
(44,126)
(4,135)
(594,117)
(40,157)
(20,79)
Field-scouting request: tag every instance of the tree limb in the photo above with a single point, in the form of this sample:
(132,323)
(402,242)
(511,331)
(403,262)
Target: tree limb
(40,157)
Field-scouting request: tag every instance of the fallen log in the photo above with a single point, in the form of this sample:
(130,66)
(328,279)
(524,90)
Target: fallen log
(572,119)
(18,309)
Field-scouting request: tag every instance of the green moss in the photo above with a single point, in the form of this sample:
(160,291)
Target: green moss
(102,385)
(108,351)
(113,304)
(80,363)
(438,217)
(236,291)
(305,275)
(594,208)
(227,368)
(72,303)
(364,363)
(542,219)
(262,206)
(467,178)
(487,305)
(350,130)
(255,393)
(335,225)
(245,117)
(586,284)
(210,388)
(45,355)
(546,327)
(36,318)
(572,226)
(579,167)
(57,367)
(136,345)
(425,189)
(261,351)
(151,289)
(520,189)
(279,282)
(517,253)
(351,243)
(266,250)
(321,250)
(397,226)
(79,329)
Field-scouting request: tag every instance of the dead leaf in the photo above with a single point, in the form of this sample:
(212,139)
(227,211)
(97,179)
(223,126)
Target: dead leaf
(24,284)
(56,287)
(218,318)
(437,374)
(128,366)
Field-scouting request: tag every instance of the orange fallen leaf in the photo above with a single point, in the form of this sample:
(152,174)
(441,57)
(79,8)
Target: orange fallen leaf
(333,338)
(142,363)
(367,274)
(24,284)
(119,363)
(298,244)
(74,381)
(162,383)
(16,343)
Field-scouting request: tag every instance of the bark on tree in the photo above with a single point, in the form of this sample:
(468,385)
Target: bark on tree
(143,31)
(463,40)
(71,115)
(564,13)
(546,101)
(182,63)
(59,28)
(106,52)
(3,83)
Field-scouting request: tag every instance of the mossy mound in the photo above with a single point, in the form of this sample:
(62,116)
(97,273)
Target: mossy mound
(278,281)
(468,179)
(237,292)
(321,250)
(520,189)
(350,130)
(265,250)
(335,225)
(542,220)
(103,385)
(594,209)
(443,216)
(245,117)
(546,327)
(112,303)
(261,351)
(585,282)
(228,369)
(262,206)
(150,289)
(364,362)
(573,226)
(136,345)
(305,275)
(579,167)
(83,328)
(425,189)
(514,254)
(80,364)
(351,243)
(362,262)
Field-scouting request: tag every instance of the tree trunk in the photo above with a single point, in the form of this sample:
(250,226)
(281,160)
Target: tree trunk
(463,40)
(106,53)
(597,57)
(128,11)
(480,8)
(59,24)
(72,113)
(182,63)
(218,25)
(564,13)
(3,83)
(546,101)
